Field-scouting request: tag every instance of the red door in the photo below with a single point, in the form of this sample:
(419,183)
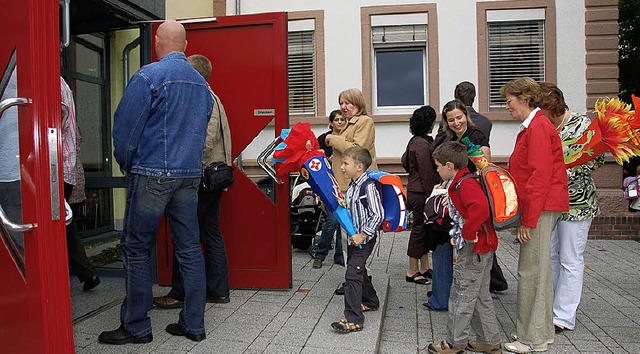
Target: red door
(249,59)
(35,306)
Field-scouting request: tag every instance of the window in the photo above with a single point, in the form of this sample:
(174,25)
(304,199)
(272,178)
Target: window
(516,49)
(302,73)
(400,57)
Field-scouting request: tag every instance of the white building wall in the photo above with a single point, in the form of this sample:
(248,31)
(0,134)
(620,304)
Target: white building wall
(458,58)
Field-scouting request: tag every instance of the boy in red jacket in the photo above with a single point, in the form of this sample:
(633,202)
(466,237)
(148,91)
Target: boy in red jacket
(470,304)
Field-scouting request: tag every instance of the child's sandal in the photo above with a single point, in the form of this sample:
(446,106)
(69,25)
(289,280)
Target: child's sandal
(345,327)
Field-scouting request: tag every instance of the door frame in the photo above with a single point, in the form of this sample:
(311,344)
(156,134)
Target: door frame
(39,308)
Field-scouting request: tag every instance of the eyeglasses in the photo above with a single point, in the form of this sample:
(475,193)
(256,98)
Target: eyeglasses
(339,119)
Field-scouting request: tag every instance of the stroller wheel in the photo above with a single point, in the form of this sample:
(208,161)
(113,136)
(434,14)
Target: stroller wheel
(312,251)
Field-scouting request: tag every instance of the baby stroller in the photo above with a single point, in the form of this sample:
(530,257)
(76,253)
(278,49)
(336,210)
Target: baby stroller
(307,215)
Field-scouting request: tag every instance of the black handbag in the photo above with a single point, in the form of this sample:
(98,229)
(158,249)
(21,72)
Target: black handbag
(217,177)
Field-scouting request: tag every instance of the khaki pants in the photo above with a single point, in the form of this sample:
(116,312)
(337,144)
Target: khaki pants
(535,287)
(470,303)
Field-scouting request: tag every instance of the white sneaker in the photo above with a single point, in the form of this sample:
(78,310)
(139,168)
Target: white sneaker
(517,347)
(514,337)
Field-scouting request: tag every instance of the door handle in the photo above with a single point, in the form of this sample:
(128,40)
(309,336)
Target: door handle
(4,105)
(13,226)
(10,102)
(262,160)
(66,23)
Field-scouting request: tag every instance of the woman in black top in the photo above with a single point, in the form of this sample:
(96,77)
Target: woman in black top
(336,123)
(422,177)
(459,125)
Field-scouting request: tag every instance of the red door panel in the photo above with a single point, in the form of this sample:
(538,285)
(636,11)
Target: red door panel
(35,304)
(249,59)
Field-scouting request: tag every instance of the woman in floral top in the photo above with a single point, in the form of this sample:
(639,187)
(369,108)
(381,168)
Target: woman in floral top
(569,237)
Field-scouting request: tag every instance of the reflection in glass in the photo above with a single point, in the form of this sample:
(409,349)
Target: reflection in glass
(10,196)
(87,58)
(400,77)
(89,117)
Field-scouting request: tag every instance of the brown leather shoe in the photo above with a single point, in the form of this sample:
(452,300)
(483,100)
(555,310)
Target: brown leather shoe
(167,302)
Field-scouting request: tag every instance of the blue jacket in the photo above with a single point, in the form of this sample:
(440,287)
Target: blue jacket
(160,124)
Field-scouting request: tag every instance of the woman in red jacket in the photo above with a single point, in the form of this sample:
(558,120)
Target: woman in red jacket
(537,166)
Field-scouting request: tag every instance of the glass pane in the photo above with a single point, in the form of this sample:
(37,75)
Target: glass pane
(87,61)
(10,195)
(400,77)
(89,111)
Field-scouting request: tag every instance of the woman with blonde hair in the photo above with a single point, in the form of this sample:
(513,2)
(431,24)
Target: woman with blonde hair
(359,131)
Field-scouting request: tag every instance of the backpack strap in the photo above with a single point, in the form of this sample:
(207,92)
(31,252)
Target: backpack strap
(363,192)
(465,176)
(477,178)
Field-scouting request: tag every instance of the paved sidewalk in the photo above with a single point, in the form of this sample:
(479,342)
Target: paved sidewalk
(298,320)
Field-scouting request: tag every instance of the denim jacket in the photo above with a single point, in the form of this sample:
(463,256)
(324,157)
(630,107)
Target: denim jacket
(161,121)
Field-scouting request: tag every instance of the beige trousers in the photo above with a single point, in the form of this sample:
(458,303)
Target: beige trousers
(535,287)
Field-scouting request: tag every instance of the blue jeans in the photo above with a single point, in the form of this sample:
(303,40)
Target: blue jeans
(442,259)
(330,228)
(147,200)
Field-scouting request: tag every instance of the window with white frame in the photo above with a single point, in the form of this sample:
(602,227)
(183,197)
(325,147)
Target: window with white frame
(399,64)
(302,72)
(515,48)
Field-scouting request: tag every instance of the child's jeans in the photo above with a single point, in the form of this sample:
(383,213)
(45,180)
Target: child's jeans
(358,288)
(442,259)
(470,305)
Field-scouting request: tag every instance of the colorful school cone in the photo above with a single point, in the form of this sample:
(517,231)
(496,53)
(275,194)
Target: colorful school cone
(292,155)
(475,154)
(292,152)
(318,173)
(614,129)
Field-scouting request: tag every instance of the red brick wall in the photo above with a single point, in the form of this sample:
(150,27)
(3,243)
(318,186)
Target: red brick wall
(615,228)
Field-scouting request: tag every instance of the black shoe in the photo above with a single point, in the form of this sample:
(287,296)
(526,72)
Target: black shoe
(340,290)
(428,273)
(177,330)
(431,308)
(340,262)
(122,336)
(218,299)
(90,283)
(429,293)
(560,329)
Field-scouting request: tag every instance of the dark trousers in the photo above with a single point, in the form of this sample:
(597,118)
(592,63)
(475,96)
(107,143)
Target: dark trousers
(215,255)
(78,260)
(358,288)
(498,282)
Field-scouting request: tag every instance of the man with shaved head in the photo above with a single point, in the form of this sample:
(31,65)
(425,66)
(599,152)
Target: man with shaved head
(158,138)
